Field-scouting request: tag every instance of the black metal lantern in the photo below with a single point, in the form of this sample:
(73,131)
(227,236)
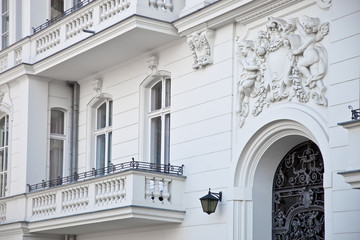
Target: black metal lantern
(210,201)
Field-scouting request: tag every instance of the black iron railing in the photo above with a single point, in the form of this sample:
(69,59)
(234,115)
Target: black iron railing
(355,113)
(62,15)
(113,168)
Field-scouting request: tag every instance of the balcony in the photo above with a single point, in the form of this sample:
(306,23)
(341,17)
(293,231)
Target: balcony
(352,172)
(129,194)
(112,30)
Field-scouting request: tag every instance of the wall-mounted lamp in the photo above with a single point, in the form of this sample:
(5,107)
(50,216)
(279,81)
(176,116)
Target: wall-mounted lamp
(210,201)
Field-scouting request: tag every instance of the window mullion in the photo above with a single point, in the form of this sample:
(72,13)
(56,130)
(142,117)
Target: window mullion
(162,138)
(106,149)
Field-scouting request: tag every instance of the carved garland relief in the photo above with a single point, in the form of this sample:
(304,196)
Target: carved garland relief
(287,61)
(201,44)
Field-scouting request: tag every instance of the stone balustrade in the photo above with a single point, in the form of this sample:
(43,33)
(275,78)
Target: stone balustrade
(155,191)
(44,204)
(94,17)
(2,212)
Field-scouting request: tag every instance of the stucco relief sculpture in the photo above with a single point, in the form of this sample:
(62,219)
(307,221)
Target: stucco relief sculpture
(97,85)
(250,75)
(202,44)
(153,64)
(287,61)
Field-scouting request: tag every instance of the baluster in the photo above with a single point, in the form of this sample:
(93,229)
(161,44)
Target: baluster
(82,199)
(160,3)
(152,3)
(116,189)
(112,191)
(168,5)
(122,187)
(166,193)
(108,7)
(147,188)
(156,193)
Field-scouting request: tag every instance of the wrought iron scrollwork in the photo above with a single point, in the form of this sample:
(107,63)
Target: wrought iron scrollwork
(298,195)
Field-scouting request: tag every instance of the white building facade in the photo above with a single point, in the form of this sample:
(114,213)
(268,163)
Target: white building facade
(116,116)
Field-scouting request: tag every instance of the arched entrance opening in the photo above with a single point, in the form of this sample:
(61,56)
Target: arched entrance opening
(254,174)
(298,195)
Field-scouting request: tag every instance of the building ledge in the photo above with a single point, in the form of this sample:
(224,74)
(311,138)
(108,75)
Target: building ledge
(352,177)
(350,124)
(109,219)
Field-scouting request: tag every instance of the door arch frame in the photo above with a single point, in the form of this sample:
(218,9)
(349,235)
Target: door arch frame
(262,149)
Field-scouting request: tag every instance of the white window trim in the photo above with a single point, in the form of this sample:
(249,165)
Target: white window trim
(6,189)
(103,131)
(5,33)
(145,114)
(94,103)
(57,136)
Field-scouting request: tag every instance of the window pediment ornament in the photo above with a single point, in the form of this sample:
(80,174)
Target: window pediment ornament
(202,46)
(153,64)
(97,86)
(285,61)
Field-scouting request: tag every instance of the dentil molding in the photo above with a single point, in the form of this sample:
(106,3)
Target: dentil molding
(285,61)
(201,44)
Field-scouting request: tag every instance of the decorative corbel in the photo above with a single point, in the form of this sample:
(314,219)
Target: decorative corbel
(153,64)
(202,46)
(97,85)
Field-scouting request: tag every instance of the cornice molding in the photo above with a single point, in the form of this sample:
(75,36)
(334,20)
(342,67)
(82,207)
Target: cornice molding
(258,12)
(227,11)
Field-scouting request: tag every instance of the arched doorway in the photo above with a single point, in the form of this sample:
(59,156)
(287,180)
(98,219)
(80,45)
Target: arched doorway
(298,195)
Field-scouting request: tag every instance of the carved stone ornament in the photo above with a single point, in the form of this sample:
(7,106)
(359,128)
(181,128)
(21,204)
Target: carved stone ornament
(2,94)
(324,4)
(153,64)
(97,85)
(202,47)
(287,61)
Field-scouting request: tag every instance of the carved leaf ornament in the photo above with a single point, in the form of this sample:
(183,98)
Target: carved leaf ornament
(287,61)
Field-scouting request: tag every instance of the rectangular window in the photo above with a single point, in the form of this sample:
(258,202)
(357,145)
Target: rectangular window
(56,158)
(156,140)
(103,135)
(57,144)
(159,117)
(4,132)
(4,24)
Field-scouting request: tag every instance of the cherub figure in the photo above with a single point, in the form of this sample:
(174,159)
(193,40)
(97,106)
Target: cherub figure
(251,73)
(313,64)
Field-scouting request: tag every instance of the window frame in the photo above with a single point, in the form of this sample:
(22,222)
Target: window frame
(4,174)
(146,114)
(106,131)
(58,136)
(5,34)
(161,112)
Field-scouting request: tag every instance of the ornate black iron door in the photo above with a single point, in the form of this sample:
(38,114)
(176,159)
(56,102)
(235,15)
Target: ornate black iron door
(298,195)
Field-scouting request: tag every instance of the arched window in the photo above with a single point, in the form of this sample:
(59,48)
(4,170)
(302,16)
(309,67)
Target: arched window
(298,195)
(57,143)
(103,133)
(4,141)
(159,121)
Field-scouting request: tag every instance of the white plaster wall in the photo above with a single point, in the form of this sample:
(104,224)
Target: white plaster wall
(344,62)
(204,133)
